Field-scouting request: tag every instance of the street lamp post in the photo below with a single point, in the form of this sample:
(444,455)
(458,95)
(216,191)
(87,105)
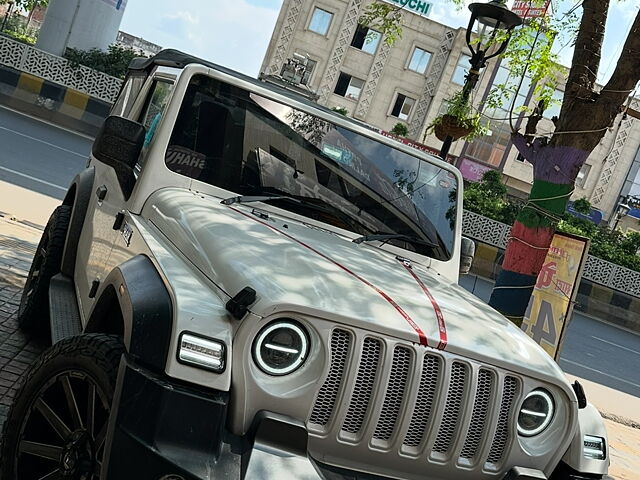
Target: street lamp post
(623,210)
(496,22)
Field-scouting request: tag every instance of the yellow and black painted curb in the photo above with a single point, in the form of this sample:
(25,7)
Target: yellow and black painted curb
(49,100)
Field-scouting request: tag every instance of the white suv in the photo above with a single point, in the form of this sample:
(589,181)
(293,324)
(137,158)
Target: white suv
(238,266)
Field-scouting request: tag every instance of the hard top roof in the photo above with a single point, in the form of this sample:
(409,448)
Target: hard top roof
(177,59)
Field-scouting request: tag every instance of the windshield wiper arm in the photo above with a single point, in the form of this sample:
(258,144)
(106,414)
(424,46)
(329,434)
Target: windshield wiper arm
(394,236)
(257,198)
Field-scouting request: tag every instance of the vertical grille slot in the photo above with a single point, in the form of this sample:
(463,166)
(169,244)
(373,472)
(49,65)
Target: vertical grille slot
(424,401)
(365,380)
(479,415)
(451,414)
(394,397)
(326,400)
(501,437)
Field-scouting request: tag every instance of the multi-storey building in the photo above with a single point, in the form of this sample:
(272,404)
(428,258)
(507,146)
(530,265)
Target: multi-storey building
(350,66)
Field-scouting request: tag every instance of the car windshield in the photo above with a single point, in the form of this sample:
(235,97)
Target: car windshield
(250,145)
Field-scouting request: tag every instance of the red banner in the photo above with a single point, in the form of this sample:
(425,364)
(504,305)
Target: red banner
(530,9)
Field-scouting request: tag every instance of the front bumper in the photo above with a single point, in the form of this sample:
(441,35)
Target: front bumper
(164,430)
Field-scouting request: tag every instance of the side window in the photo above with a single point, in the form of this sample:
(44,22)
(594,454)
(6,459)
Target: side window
(153,111)
(128,94)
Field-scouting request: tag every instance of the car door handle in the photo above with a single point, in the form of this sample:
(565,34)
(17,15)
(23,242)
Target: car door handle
(101,192)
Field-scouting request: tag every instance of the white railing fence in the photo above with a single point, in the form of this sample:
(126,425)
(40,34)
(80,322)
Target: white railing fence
(597,270)
(29,59)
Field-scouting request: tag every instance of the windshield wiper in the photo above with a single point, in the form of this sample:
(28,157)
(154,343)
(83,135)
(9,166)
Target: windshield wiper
(257,198)
(394,236)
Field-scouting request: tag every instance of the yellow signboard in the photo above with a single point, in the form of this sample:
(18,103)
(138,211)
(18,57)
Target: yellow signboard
(552,300)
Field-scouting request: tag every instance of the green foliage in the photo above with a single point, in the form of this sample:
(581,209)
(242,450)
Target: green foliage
(28,5)
(385,18)
(529,50)
(488,198)
(459,107)
(400,129)
(582,205)
(341,110)
(16,27)
(115,61)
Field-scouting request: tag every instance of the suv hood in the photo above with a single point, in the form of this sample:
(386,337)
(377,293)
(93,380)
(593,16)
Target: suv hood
(295,267)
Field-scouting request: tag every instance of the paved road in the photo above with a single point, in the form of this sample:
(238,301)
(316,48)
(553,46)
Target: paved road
(592,350)
(38,156)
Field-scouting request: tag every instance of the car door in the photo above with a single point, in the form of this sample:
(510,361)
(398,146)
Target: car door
(108,203)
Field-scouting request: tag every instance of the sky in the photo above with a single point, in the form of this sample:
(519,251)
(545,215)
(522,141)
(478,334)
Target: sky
(236,33)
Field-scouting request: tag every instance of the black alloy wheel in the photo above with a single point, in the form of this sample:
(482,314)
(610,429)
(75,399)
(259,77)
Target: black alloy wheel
(57,426)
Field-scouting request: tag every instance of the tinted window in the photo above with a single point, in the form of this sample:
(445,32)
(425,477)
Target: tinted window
(249,145)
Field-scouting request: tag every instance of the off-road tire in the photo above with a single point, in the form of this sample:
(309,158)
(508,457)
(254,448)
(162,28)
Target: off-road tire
(89,360)
(33,313)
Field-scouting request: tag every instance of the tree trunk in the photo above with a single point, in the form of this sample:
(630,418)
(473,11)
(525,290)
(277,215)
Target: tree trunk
(556,164)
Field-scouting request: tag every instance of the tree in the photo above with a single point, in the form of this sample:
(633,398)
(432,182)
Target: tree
(585,116)
(27,5)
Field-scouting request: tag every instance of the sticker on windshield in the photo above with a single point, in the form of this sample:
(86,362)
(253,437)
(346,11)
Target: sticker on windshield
(340,155)
(444,184)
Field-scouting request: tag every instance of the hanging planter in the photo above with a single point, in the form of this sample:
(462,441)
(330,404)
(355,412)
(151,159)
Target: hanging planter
(451,126)
(459,121)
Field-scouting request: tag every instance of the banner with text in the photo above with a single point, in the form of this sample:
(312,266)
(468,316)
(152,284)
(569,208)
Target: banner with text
(530,9)
(547,316)
(415,6)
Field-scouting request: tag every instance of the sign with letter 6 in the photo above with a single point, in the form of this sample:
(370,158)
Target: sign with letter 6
(551,304)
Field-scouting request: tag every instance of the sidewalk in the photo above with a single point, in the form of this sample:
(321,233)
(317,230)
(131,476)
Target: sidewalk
(17,245)
(25,205)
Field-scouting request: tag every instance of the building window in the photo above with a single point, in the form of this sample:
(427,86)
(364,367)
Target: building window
(320,21)
(419,60)
(402,107)
(461,69)
(366,39)
(348,86)
(553,110)
(581,179)
(311,66)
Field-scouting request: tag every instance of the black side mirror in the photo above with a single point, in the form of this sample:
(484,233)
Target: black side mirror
(467,252)
(118,145)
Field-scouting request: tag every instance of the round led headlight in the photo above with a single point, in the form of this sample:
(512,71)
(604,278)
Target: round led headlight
(281,347)
(536,413)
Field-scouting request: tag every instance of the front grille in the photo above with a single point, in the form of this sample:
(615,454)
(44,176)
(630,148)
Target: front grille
(326,400)
(394,398)
(501,437)
(451,414)
(364,386)
(409,397)
(479,415)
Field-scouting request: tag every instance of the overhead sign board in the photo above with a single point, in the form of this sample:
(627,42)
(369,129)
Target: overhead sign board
(416,6)
(551,304)
(530,9)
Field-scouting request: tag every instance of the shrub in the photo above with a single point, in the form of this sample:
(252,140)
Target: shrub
(115,61)
(488,198)
(400,129)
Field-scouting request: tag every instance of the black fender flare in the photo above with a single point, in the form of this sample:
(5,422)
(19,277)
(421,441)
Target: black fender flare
(137,289)
(78,196)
